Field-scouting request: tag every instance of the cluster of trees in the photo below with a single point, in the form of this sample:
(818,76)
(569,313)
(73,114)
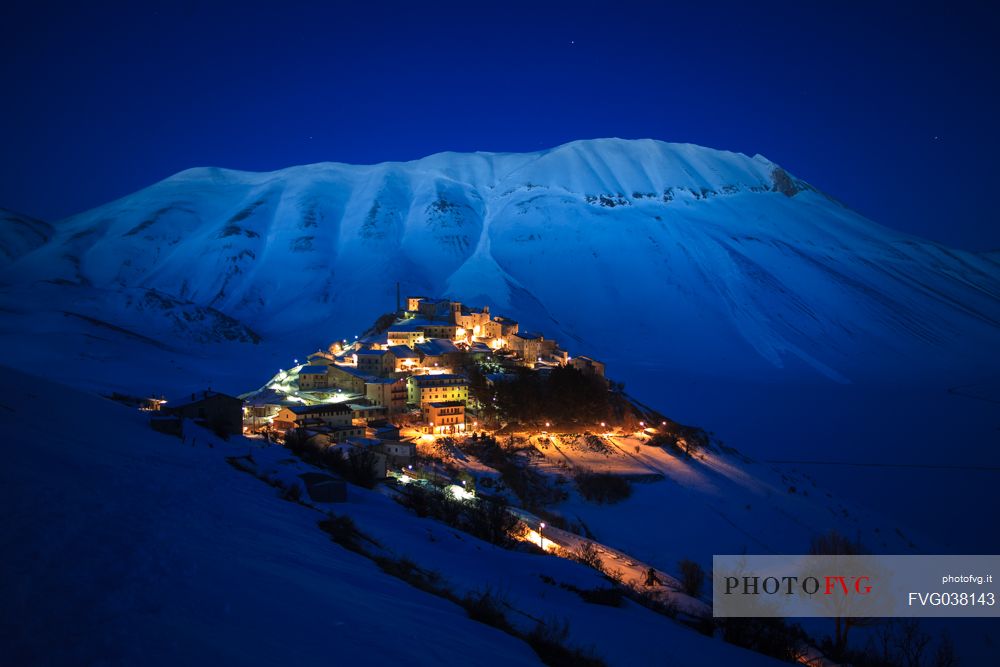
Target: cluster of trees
(901,642)
(563,396)
(680,439)
(487,519)
(534,489)
(358,467)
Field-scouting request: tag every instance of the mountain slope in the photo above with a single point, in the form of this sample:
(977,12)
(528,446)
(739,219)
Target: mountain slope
(123,546)
(727,262)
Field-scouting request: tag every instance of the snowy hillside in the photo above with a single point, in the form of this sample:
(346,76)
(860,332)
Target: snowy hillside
(123,546)
(155,552)
(726,263)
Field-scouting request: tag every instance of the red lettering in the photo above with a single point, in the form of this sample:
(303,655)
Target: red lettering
(831,584)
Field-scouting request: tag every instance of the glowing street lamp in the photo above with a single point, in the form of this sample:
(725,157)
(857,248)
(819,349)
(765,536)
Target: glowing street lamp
(541,537)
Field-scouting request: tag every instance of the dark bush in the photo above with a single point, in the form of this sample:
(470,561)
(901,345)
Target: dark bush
(297,443)
(603,487)
(360,467)
(342,530)
(492,521)
(549,642)
(610,596)
(419,499)
(292,493)
(770,636)
(486,607)
(692,577)
(383,322)
(426,580)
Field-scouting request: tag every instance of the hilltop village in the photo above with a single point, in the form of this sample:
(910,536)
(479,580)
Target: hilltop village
(459,416)
(413,372)
(410,372)
(434,374)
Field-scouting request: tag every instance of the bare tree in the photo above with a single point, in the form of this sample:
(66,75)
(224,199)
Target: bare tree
(911,643)
(588,554)
(834,543)
(945,654)
(692,577)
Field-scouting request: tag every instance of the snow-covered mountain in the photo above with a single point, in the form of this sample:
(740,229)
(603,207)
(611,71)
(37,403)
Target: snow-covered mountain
(716,262)
(654,257)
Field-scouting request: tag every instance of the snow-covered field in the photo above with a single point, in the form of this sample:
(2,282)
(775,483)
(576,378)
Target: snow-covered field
(680,507)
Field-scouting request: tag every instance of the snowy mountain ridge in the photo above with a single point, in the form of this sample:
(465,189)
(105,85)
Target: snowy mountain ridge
(668,261)
(729,263)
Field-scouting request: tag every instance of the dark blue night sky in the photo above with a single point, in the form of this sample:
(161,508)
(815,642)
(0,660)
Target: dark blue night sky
(893,111)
